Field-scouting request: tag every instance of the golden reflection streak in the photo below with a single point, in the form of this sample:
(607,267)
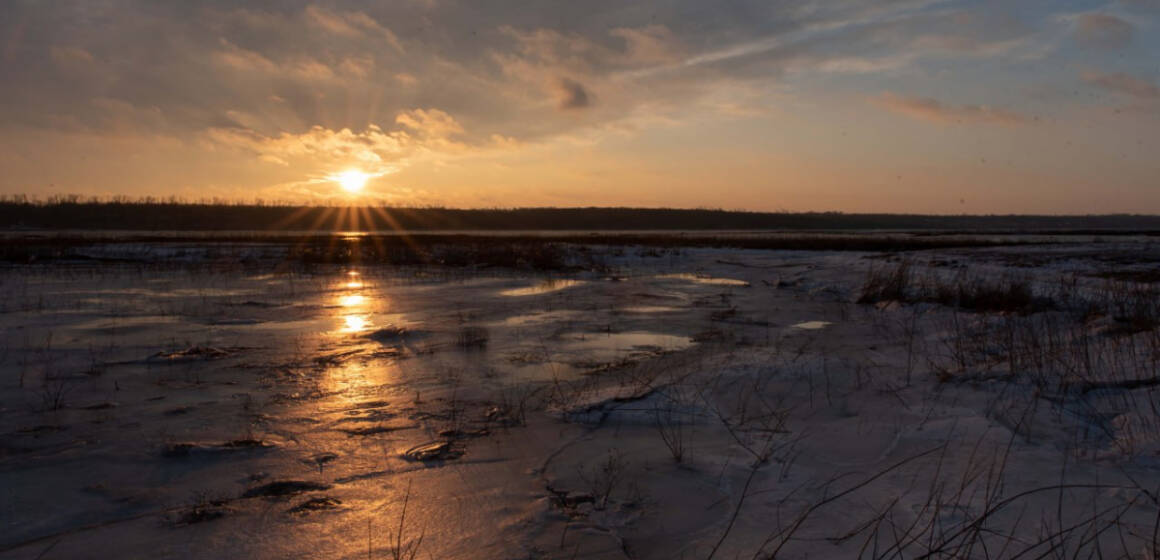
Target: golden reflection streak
(355,323)
(354,313)
(352,300)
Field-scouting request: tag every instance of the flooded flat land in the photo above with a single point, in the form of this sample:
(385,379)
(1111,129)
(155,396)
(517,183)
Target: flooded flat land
(965,398)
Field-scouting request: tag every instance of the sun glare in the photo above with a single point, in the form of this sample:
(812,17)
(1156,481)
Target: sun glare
(353,300)
(355,323)
(351,180)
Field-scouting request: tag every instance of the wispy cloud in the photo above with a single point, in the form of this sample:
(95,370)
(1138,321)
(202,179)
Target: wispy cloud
(351,24)
(935,111)
(1123,83)
(1102,30)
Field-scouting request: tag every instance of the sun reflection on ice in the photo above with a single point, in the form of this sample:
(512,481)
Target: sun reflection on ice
(355,317)
(352,300)
(355,323)
(353,281)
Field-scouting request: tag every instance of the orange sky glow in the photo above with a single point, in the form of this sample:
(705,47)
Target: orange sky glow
(902,106)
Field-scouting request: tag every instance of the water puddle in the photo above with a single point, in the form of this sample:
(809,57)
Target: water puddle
(542,318)
(706,280)
(574,354)
(547,286)
(204,292)
(645,309)
(811,325)
(617,343)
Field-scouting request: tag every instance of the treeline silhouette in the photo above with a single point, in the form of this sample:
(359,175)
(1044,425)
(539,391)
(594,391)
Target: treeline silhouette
(149,214)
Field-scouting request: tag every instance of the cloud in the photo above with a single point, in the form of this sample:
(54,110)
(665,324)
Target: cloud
(932,110)
(357,66)
(311,82)
(370,147)
(237,58)
(350,24)
(571,94)
(70,55)
(506,70)
(1103,30)
(1123,83)
(651,44)
(430,123)
(119,116)
(300,67)
(420,131)
(871,38)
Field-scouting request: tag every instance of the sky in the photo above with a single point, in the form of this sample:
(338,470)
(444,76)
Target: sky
(922,106)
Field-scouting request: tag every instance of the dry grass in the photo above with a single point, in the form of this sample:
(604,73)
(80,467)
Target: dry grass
(973,293)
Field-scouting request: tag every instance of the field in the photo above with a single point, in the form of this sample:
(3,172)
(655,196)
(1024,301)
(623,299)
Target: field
(648,395)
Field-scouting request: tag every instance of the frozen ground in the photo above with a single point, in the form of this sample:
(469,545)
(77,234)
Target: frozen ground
(701,403)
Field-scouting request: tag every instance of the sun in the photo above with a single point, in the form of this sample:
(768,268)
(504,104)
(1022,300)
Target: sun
(351,180)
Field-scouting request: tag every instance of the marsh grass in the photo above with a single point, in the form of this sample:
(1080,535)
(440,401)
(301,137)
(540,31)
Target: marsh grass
(559,252)
(671,425)
(1086,355)
(54,391)
(606,477)
(404,545)
(514,403)
(472,337)
(887,283)
(900,283)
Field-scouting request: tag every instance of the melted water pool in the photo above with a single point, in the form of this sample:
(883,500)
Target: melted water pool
(547,286)
(706,280)
(811,325)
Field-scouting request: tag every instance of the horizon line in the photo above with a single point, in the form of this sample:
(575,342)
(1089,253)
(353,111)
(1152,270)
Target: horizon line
(174,201)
